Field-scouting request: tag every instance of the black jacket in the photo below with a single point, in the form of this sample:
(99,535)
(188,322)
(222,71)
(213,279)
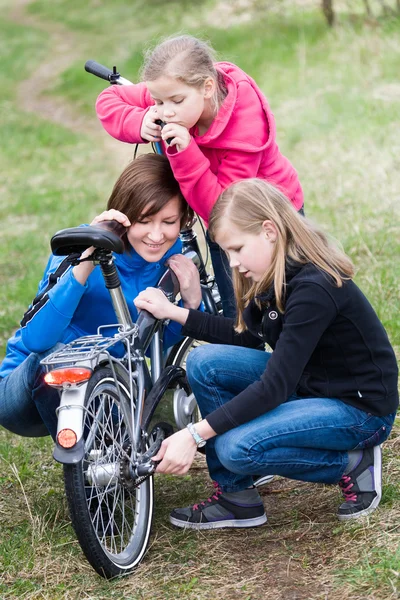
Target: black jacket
(328,343)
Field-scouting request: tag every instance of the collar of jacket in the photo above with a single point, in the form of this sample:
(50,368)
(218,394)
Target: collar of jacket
(292,268)
(233,127)
(132,260)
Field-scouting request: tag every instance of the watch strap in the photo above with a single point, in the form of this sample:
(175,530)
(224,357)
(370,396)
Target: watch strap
(195,435)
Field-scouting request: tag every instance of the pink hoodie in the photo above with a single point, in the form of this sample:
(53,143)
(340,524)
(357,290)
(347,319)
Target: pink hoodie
(239,144)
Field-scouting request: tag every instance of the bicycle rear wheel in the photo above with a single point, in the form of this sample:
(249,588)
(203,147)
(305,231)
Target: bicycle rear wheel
(180,352)
(111,516)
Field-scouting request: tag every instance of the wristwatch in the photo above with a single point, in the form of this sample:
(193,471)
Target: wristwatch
(200,442)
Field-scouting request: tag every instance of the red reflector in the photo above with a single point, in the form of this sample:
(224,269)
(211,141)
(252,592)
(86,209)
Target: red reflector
(68,375)
(66,438)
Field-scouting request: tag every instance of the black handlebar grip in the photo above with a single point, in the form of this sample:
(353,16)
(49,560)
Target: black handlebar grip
(162,124)
(95,68)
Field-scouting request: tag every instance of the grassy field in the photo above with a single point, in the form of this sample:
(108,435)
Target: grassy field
(336,98)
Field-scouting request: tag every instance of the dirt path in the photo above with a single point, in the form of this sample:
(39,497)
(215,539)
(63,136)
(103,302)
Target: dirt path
(66,48)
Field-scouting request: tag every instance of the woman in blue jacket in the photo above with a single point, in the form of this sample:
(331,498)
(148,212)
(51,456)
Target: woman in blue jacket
(315,409)
(73,301)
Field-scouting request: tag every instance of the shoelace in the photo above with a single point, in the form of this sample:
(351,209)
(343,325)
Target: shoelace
(215,496)
(345,485)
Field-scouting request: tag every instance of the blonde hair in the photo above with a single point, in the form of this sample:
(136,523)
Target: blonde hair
(187,59)
(247,204)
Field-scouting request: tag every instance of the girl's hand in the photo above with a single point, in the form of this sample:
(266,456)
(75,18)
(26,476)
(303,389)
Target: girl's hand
(176,453)
(189,280)
(150,131)
(179,134)
(155,301)
(112,215)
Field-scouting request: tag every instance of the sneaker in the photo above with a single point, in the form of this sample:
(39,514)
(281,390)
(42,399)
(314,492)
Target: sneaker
(362,487)
(259,480)
(239,509)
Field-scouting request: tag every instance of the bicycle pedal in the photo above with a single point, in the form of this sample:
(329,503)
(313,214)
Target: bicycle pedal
(147,468)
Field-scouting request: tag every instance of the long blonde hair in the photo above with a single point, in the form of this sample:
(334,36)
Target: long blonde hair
(247,204)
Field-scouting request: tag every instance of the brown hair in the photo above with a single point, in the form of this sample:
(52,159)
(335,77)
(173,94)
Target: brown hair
(187,59)
(144,187)
(247,204)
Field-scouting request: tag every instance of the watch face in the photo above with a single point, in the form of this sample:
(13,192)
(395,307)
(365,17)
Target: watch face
(202,444)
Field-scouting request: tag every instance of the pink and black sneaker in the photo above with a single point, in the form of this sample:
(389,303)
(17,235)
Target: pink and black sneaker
(362,487)
(222,509)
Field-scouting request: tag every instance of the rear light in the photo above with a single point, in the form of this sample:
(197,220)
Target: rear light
(66,438)
(69,375)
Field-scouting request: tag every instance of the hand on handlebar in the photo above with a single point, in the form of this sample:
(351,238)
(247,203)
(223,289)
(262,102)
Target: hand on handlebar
(150,131)
(178,134)
(189,280)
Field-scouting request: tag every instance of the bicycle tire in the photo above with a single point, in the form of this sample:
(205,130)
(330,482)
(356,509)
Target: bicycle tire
(180,352)
(112,520)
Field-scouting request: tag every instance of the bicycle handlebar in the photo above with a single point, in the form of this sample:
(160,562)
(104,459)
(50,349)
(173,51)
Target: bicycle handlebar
(95,68)
(110,75)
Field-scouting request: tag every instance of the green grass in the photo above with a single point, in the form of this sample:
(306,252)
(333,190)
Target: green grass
(336,98)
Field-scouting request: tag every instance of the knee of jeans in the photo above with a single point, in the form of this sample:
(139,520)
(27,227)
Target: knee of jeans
(198,362)
(232,455)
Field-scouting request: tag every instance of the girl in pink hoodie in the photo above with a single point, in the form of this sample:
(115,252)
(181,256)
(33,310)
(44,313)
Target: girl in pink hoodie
(217,123)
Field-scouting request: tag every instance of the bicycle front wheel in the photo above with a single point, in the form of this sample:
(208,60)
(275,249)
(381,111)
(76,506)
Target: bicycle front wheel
(111,516)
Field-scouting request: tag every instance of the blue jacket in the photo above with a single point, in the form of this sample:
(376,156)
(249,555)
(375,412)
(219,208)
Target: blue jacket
(72,310)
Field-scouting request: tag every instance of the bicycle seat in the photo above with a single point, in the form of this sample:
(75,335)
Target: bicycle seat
(77,239)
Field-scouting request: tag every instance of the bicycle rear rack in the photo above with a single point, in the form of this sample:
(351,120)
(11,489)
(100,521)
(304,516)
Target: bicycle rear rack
(88,348)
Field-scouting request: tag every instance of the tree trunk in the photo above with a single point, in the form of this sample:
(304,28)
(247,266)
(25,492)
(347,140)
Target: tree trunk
(368,8)
(327,8)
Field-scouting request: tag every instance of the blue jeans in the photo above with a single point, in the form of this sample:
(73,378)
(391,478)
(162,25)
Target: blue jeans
(223,277)
(27,404)
(303,438)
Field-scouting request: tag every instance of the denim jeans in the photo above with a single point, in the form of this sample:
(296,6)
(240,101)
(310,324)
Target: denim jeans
(223,277)
(303,438)
(27,404)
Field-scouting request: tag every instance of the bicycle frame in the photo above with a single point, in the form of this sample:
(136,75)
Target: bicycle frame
(147,386)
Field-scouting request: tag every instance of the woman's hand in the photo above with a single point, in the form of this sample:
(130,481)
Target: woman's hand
(83,270)
(150,131)
(176,453)
(179,134)
(112,215)
(189,280)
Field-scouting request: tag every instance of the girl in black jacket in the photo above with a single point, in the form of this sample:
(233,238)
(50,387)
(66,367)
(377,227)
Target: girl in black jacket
(319,405)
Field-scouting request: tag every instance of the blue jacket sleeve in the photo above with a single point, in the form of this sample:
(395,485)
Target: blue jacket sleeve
(46,321)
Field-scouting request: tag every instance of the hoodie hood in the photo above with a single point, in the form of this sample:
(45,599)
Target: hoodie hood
(233,126)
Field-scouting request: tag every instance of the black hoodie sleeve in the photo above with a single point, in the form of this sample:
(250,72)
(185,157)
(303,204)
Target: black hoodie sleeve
(310,309)
(217,330)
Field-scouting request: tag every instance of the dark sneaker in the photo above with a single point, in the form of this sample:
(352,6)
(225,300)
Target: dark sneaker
(239,509)
(362,487)
(259,480)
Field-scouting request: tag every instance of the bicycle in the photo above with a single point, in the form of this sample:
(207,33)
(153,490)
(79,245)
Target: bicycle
(109,394)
